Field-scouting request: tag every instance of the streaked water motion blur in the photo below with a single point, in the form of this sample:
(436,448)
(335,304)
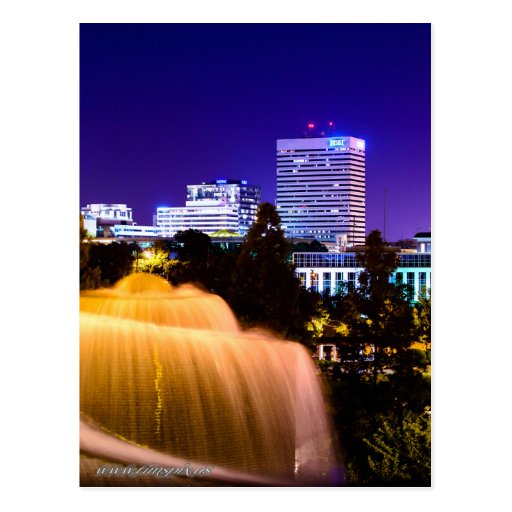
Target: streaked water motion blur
(167,375)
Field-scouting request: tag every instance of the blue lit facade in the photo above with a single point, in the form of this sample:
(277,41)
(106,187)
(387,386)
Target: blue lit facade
(321,271)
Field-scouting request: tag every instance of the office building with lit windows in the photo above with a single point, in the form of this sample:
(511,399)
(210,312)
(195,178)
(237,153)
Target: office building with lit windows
(135,231)
(101,218)
(321,189)
(322,271)
(222,204)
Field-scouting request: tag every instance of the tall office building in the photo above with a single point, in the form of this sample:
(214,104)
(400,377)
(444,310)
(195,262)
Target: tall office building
(321,188)
(218,205)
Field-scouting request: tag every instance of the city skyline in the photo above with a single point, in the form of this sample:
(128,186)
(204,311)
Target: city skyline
(162,106)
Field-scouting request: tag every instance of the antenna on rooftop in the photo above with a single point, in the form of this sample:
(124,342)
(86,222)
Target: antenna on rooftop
(309,130)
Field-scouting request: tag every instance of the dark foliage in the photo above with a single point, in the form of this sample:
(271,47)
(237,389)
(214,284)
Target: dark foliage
(264,290)
(114,260)
(314,246)
(360,409)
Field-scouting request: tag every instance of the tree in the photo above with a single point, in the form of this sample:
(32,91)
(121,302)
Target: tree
(115,261)
(158,263)
(314,246)
(378,264)
(90,277)
(320,324)
(371,322)
(379,415)
(422,316)
(385,317)
(100,264)
(193,245)
(264,290)
(194,250)
(400,451)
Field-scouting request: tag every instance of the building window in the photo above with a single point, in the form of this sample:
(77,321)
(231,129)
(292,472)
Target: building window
(314,281)
(339,282)
(327,282)
(351,281)
(422,282)
(410,285)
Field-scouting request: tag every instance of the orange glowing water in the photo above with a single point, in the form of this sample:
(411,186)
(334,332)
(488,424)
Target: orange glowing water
(170,370)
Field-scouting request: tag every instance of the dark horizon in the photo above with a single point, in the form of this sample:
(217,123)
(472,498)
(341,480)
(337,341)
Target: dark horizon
(167,105)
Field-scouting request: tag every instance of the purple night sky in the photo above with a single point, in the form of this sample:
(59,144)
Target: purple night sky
(163,106)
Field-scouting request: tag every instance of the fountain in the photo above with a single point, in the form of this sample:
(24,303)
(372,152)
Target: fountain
(167,377)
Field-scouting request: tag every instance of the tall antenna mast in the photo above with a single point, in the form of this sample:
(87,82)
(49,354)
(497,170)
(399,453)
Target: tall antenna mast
(385,198)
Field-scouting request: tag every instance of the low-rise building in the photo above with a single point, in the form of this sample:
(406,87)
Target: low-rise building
(107,216)
(134,231)
(321,271)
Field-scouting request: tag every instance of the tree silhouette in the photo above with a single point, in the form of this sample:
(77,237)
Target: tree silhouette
(384,317)
(264,289)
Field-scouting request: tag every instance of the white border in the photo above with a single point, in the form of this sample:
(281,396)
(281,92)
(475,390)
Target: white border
(39,200)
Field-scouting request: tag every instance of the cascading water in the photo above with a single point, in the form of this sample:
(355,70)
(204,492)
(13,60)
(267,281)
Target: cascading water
(168,376)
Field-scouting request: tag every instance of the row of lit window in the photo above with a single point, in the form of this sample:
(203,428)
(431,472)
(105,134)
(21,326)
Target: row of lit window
(349,260)
(397,278)
(415,260)
(318,149)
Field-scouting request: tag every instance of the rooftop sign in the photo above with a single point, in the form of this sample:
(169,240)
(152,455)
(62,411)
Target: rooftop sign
(336,142)
(222,181)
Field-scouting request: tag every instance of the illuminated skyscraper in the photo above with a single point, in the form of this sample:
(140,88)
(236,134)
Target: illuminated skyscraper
(321,188)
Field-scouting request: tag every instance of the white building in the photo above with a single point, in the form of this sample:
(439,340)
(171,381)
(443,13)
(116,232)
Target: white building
(321,188)
(322,271)
(210,207)
(205,219)
(89,224)
(116,213)
(134,231)
(423,241)
(108,215)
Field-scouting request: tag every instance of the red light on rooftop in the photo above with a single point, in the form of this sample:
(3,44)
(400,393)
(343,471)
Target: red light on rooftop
(330,123)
